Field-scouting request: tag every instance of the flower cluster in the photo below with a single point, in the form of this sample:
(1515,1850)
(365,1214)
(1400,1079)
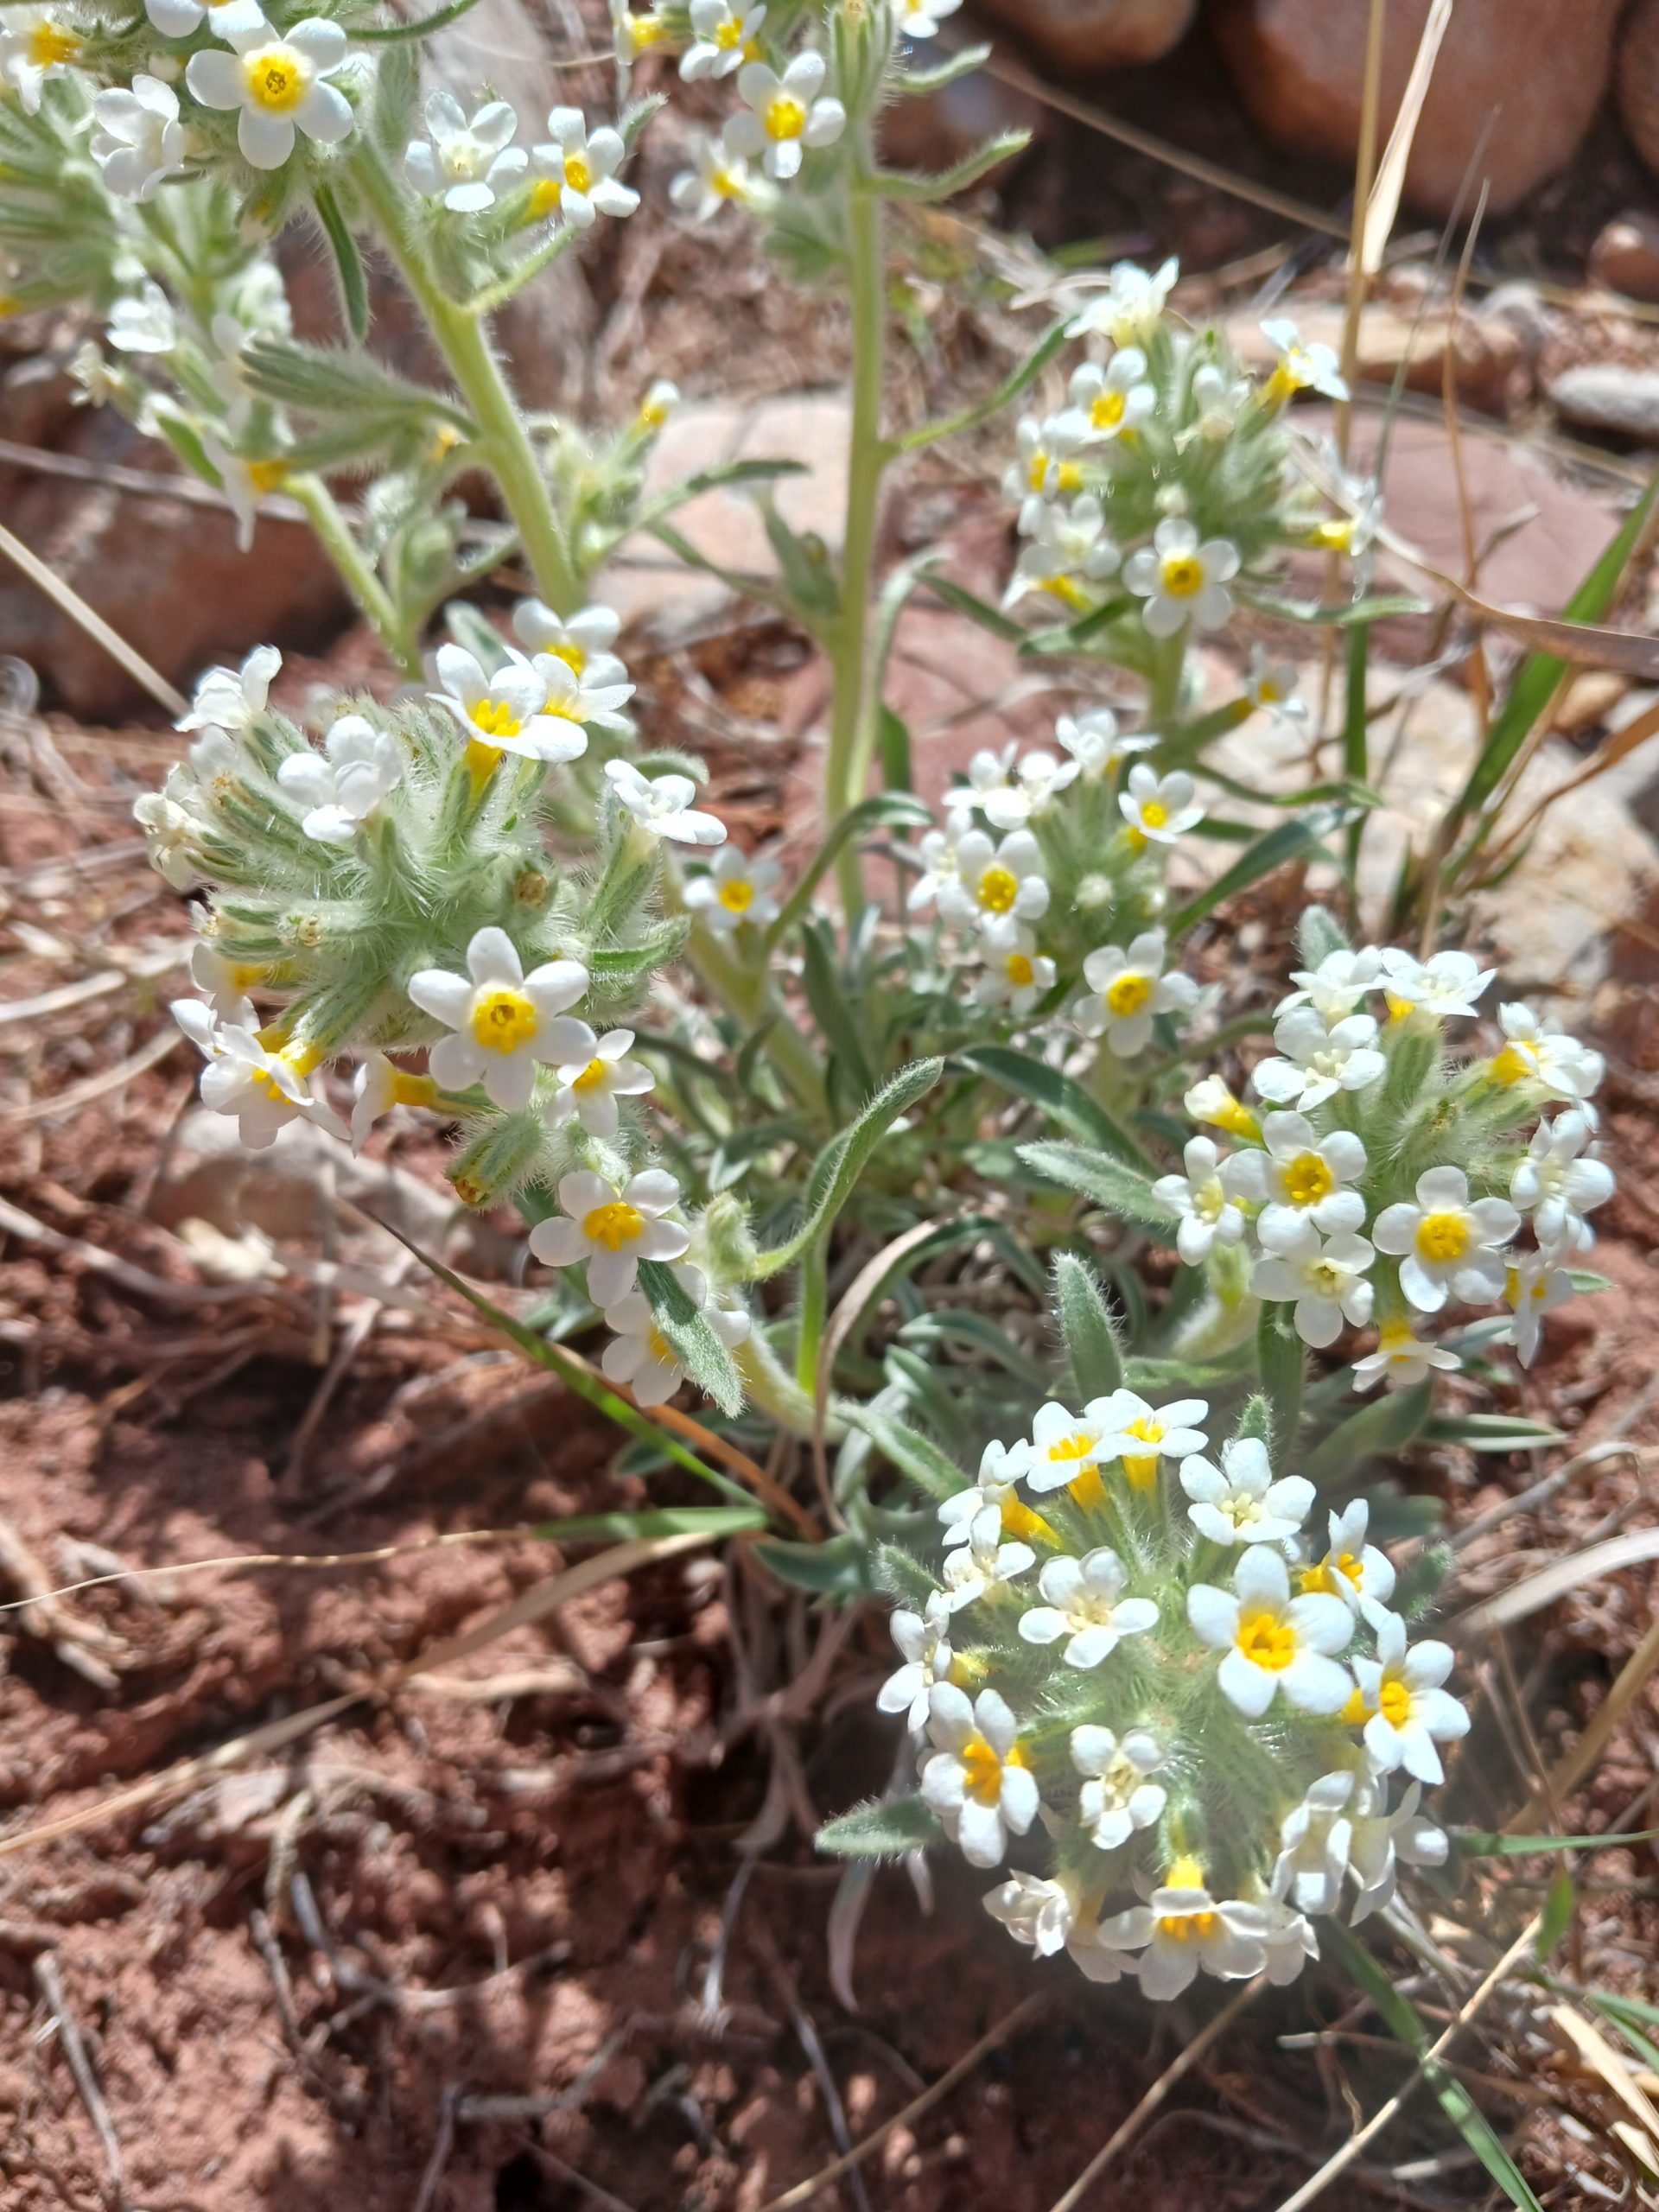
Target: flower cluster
(1383,1180)
(1185,1679)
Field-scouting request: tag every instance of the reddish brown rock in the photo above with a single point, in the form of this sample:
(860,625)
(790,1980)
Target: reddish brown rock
(1094,34)
(1635,81)
(1535,69)
(1626,255)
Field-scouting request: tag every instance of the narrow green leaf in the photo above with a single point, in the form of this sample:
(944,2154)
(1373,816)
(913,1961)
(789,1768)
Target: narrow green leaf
(655,1521)
(837,1568)
(1061,1097)
(914,1455)
(838,1022)
(1385,1425)
(1324,617)
(1283,1363)
(353,285)
(1356,737)
(1489,1432)
(686,1327)
(332,380)
(884,1828)
(423,27)
(947,72)
(969,418)
(1290,840)
(927,191)
(842,1162)
(1490,1843)
(1560,1902)
(1104,1181)
(978,611)
(1092,1351)
(885,811)
(893,748)
(1319,934)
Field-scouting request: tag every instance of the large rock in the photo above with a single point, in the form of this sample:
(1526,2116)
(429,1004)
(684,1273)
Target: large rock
(1094,34)
(1637,80)
(1534,70)
(1490,358)
(1606,395)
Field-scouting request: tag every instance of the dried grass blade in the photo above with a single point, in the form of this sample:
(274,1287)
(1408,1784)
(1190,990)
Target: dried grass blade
(1384,203)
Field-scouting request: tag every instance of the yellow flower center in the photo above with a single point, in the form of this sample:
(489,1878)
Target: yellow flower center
(1069,592)
(1307,1179)
(50,46)
(1019,970)
(1394,1702)
(1186,1927)
(1268,692)
(613,1225)
(729,36)
(1443,1236)
(999,888)
(267,475)
(736,896)
(1108,410)
(1155,815)
(502,1019)
(646,30)
(1076,1446)
(983,1769)
(568,650)
(785,115)
(543,198)
(1268,1640)
(1321,1580)
(577,173)
(1511,1066)
(1333,537)
(661,1350)
(728,184)
(1183,575)
(1037,473)
(275,77)
(1069,478)
(495,718)
(1127,994)
(1142,1468)
(592,1078)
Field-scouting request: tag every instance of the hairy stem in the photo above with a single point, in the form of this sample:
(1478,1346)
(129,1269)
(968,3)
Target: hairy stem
(334,536)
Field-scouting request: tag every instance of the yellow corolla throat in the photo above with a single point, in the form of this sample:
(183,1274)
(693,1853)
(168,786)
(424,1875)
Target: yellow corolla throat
(786,116)
(1141,1468)
(1307,1180)
(1287,380)
(613,1225)
(1332,536)
(50,46)
(1019,1521)
(1394,1701)
(494,718)
(1443,1238)
(1182,577)
(1321,1580)
(997,890)
(1267,1640)
(1019,970)
(1108,410)
(730,35)
(736,896)
(1511,1066)
(1127,994)
(592,1078)
(300,1059)
(502,1019)
(1069,592)
(1356,1713)
(1185,1873)
(578,173)
(276,77)
(267,475)
(983,1769)
(544,195)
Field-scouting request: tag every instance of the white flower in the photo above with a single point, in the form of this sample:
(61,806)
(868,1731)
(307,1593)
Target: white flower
(1159,809)
(1132,305)
(1314,1839)
(1287,1942)
(229,698)
(506,712)
(1532,1288)
(937,856)
(1272,1641)
(783,114)
(464,163)
(1409,1710)
(1182,580)
(1064,1447)
(1129,989)
(1532,1053)
(633,35)
(178,18)
(1036,777)
(1270,687)
(1204,1200)
(1305,1176)
(1040,1913)
(1139,1435)
(1239,1502)
(374,1093)
(1352,1569)
(144,323)
(342,786)
(1447,1244)
(589,1089)
(640,1356)
(243,483)
(1450,983)
(736,890)
(1185,1929)
(1315,1063)
(502,1021)
(1070,550)
(1000,1469)
(1324,1278)
(1301,367)
(1107,402)
(584,643)
(137,140)
(1086,1605)
(717,177)
(721,37)
(995,882)
(35,44)
(1090,1952)
(170,834)
(590,697)
(922,18)
(1210,1101)
(1016,974)
(224,983)
(278,79)
(579,169)
(612,1228)
(923,1644)
(662,805)
(977,1782)
(1218,401)
(1045,468)
(1093,740)
(1402,1359)
(1336,987)
(1380,1838)
(988,772)
(1558,1184)
(262,1087)
(1116,1798)
(984,1561)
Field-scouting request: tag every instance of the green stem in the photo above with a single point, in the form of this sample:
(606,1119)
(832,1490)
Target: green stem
(752,1000)
(815,1307)
(1164,693)
(868,459)
(334,536)
(505,443)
